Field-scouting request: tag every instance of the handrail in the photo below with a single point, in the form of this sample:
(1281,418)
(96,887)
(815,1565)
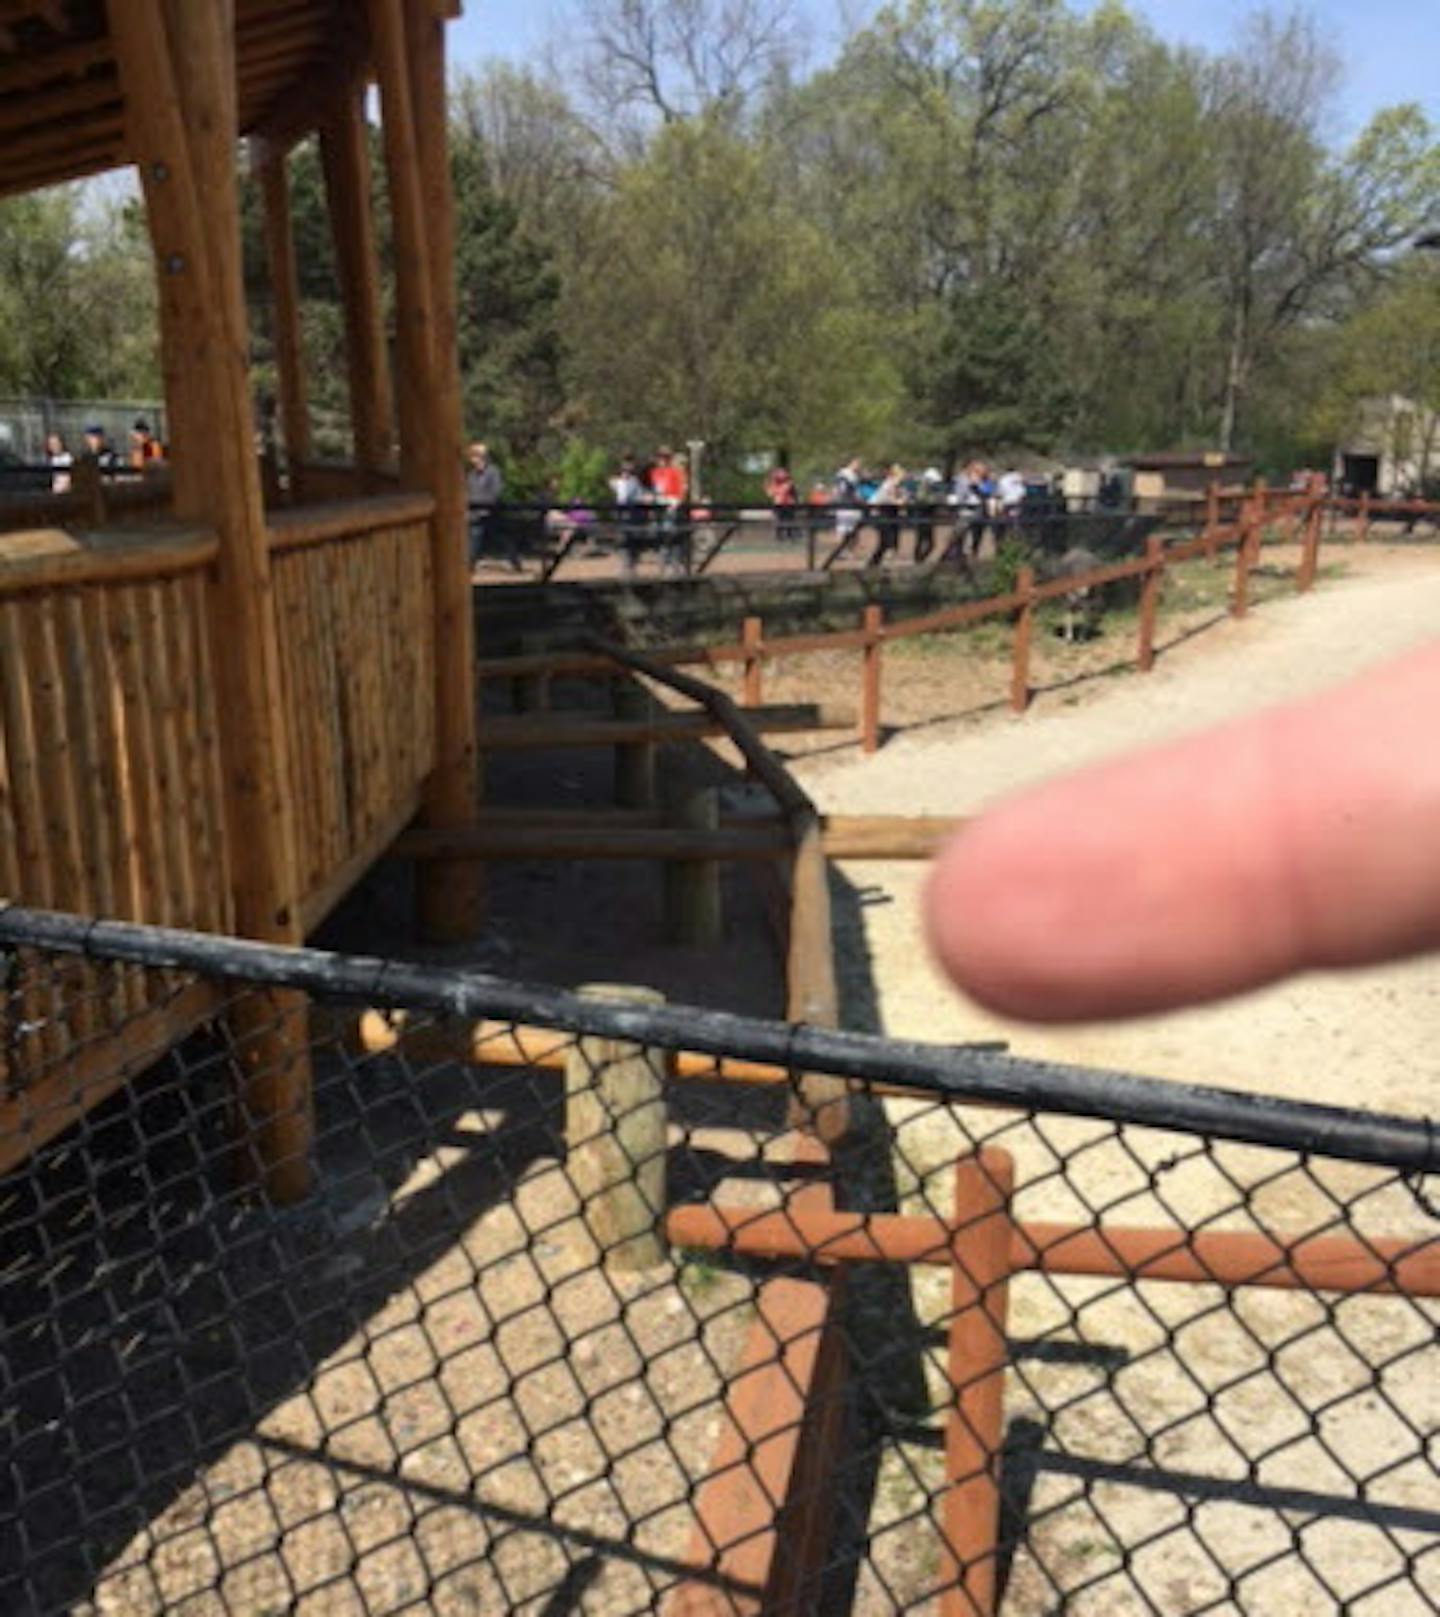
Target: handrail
(302,525)
(120,560)
(812,993)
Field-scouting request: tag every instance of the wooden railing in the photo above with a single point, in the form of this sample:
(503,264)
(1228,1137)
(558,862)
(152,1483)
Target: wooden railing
(1234,522)
(353,608)
(110,801)
(91,501)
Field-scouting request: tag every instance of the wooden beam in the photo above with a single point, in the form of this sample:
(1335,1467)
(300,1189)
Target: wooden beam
(177,65)
(279,230)
(1333,1263)
(668,845)
(345,158)
(536,732)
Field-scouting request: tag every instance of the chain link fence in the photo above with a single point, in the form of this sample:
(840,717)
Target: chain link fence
(572,1319)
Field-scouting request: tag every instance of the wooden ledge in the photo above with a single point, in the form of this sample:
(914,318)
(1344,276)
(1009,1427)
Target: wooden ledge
(304,525)
(48,558)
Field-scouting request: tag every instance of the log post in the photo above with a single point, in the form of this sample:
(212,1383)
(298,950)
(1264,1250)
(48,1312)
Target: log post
(1150,601)
(874,625)
(694,906)
(274,175)
(87,482)
(1024,633)
(409,53)
(615,1138)
(752,636)
(531,691)
(176,61)
(1244,560)
(345,159)
(1362,527)
(1212,519)
(975,1427)
(1310,555)
(634,760)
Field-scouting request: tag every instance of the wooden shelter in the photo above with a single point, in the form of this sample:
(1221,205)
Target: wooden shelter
(220,702)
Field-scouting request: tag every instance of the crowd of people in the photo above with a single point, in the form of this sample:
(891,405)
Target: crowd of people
(145,453)
(975,499)
(650,506)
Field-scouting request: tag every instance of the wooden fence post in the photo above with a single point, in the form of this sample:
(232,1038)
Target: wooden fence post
(753,637)
(694,906)
(634,760)
(1024,632)
(1244,560)
(531,692)
(1150,601)
(1211,535)
(1310,555)
(1362,529)
(615,1138)
(975,1426)
(874,625)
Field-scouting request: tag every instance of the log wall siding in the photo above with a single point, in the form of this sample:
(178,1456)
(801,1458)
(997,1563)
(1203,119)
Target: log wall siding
(109,785)
(357,672)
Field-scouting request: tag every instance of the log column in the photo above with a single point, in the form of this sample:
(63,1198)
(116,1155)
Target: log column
(273,172)
(345,158)
(409,45)
(177,67)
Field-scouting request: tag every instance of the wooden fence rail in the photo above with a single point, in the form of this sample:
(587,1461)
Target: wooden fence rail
(1232,523)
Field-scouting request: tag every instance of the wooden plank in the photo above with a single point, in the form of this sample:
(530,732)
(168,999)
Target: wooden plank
(535,732)
(1324,1263)
(977,1358)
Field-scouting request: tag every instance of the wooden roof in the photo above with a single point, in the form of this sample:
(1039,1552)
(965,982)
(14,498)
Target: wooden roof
(61,111)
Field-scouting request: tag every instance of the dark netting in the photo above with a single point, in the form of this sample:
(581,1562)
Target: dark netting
(571,1321)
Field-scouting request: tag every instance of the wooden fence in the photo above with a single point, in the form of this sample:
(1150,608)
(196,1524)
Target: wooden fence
(1241,530)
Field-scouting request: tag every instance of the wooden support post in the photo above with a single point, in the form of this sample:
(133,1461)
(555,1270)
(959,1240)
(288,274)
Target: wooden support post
(975,1429)
(177,68)
(1150,601)
(634,760)
(616,1140)
(531,689)
(408,40)
(694,906)
(345,157)
(1362,528)
(873,627)
(1244,561)
(752,637)
(1212,520)
(1024,633)
(274,176)
(1309,560)
(87,482)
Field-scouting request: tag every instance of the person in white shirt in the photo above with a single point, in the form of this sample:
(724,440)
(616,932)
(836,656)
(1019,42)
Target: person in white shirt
(1011,491)
(61,462)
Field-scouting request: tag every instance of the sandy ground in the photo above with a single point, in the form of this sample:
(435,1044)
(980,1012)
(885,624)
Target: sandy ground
(1369,1033)
(1207,1385)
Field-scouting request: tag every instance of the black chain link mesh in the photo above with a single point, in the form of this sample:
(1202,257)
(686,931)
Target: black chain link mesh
(457,1378)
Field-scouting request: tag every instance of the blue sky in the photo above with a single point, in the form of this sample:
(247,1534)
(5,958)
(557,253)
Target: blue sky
(1391,47)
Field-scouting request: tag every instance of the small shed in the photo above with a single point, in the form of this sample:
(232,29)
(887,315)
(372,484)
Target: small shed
(1185,474)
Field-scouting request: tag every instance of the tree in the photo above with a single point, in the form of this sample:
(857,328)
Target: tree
(77,297)
(1294,226)
(702,306)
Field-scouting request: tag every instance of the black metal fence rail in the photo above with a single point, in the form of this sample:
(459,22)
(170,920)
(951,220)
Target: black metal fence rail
(574,1321)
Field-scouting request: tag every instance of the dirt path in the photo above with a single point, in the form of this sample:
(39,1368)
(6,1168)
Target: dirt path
(1369,1034)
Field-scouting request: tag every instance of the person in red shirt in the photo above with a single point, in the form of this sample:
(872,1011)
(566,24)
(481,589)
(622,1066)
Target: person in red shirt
(670,485)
